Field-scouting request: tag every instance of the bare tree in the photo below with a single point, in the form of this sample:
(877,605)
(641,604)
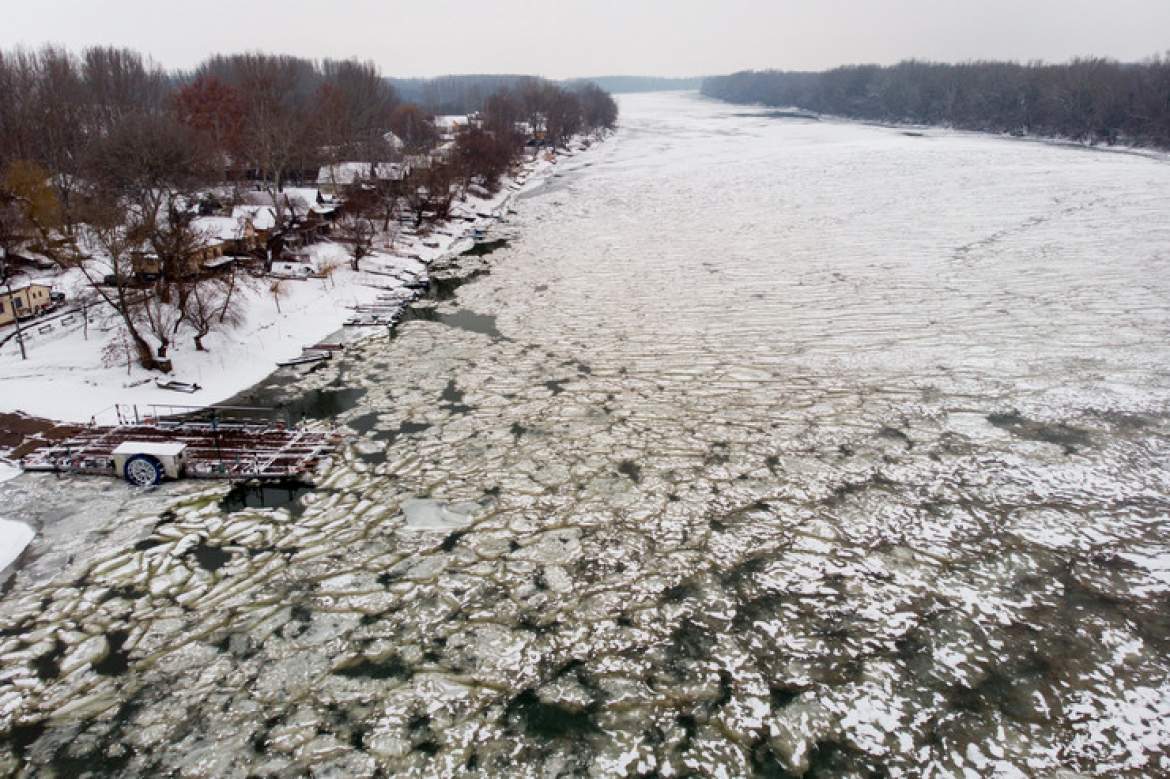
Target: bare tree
(233,282)
(430,192)
(563,116)
(328,272)
(275,133)
(413,127)
(278,290)
(116,351)
(112,277)
(209,306)
(160,319)
(357,231)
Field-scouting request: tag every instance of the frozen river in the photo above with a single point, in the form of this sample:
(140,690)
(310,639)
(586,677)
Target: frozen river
(771,446)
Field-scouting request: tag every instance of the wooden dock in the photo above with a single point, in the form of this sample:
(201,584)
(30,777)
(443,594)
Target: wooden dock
(235,450)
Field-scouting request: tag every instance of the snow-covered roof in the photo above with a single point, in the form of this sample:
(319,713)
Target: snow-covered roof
(451,121)
(221,228)
(263,217)
(25,285)
(349,172)
(156,448)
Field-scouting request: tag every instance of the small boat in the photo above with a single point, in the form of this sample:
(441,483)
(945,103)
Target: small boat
(371,321)
(177,386)
(306,359)
(377,308)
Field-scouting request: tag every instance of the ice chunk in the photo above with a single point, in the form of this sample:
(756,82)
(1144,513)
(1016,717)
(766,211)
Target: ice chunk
(427,514)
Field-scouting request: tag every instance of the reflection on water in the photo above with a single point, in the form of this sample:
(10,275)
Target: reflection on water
(267,494)
(820,451)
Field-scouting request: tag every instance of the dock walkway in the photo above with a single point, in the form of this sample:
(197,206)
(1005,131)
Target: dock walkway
(237,450)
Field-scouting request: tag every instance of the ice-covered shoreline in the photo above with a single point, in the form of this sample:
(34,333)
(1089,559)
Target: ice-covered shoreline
(941,130)
(67,378)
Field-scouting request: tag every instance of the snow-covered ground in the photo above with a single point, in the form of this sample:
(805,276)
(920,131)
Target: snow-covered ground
(14,537)
(70,377)
(66,376)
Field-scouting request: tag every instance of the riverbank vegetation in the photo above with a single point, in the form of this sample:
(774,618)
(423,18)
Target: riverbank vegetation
(1086,100)
(152,183)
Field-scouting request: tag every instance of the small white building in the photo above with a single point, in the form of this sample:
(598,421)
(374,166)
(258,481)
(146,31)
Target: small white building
(146,463)
(449,125)
(282,269)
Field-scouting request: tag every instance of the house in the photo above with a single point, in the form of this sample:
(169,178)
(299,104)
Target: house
(327,211)
(225,235)
(26,259)
(263,219)
(335,179)
(145,265)
(304,230)
(415,162)
(450,125)
(442,153)
(216,237)
(24,301)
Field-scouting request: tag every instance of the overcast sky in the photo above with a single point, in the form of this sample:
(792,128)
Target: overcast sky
(561,38)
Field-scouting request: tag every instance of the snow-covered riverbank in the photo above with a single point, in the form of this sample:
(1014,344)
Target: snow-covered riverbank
(71,375)
(14,537)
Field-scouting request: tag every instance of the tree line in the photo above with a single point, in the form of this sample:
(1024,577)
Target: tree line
(462,94)
(1089,100)
(619,85)
(465,94)
(105,156)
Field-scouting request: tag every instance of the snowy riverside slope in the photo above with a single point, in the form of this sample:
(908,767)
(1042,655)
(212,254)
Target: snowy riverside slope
(70,377)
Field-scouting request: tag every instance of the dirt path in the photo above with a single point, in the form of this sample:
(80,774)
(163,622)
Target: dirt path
(21,435)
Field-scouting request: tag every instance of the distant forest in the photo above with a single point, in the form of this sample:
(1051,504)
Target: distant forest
(465,94)
(626,84)
(1086,100)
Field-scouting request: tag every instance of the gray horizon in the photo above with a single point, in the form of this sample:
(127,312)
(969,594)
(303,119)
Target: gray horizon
(687,38)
